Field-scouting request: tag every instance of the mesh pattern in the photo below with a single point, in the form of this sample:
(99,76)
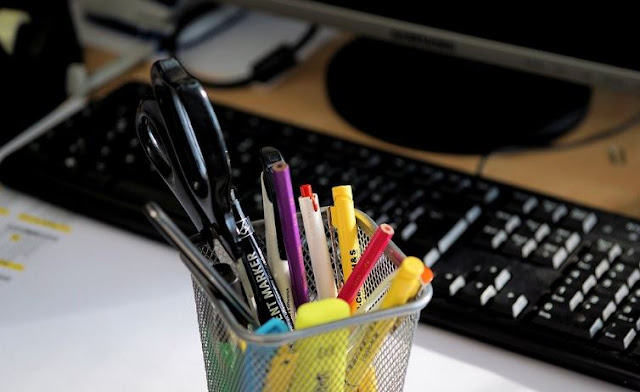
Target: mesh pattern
(371,356)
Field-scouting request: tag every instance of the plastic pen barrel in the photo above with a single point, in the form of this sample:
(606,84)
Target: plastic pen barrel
(367,261)
(317,242)
(291,232)
(278,265)
(344,220)
(268,301)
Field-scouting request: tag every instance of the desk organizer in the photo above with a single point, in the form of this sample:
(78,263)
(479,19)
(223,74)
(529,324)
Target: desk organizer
(236,359)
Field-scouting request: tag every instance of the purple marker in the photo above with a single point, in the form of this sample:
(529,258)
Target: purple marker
(290,232)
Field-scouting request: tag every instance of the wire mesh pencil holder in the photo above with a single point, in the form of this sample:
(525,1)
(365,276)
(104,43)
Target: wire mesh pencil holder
(237,359)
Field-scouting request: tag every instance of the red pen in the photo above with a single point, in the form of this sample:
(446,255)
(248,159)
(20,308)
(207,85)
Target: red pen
(367,261)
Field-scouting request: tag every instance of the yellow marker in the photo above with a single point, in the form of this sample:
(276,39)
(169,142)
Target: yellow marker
(11,265)
(282,368)
(44,222)
(404,286)
(322,359)
(4,211)
(369,383)
(15,237)
(343,218)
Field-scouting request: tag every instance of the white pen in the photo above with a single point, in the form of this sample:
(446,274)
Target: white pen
(279,267)
(317,243)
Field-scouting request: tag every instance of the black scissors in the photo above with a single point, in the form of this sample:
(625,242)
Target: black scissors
(180,134)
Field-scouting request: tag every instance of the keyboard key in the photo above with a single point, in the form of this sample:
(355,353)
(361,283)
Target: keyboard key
(452,203)
(473,214)
(432,257)
(521,203)
(578,277)
(477,293)
(483,193)
(631,257)
(490,237)
(623,273)
(577,324)
(549,211)
(431,228)
(452,235)
(616,289)
(448,284)
(550,255)
(608,249)
(580,220)
(617,335)
(631,231)
(567,296)
(455,184)
(509,303)
(561,237)
(492,275)
(519,246)
(587,263)
(536,230)
(597,306)
(629,313)
(508,222)
(427,178)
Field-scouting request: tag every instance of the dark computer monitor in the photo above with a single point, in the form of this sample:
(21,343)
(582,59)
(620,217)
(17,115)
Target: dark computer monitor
(468,80)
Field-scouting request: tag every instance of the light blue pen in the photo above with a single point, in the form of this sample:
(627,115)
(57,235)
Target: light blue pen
(257,358)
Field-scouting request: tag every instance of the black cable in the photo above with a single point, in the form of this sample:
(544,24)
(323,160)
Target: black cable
(274,63)
(311,30)
(606,133)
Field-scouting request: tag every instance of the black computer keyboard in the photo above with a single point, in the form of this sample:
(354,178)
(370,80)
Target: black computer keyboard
(522,270)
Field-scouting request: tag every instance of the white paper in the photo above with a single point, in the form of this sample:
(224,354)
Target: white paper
(28,228)
(97,309)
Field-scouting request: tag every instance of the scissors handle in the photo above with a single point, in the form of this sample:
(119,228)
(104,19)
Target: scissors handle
(180,133)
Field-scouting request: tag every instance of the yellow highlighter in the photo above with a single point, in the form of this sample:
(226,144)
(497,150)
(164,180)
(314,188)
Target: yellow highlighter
(343,218)
(281,370)
(405,285)
(322,359)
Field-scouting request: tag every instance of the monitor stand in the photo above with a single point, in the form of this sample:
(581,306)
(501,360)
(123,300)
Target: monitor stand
(436,102)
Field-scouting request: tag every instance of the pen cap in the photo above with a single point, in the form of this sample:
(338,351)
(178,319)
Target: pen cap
(342,200)
(306,191)
(342,191)
(274,325)
(322,311)
(405,284)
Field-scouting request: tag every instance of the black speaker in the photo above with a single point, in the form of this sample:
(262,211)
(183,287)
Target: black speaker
(34,65)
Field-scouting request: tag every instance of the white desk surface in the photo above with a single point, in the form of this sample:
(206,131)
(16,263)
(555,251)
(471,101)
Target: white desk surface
(101,309)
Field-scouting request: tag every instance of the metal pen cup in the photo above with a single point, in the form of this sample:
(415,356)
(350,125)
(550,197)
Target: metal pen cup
(237,359)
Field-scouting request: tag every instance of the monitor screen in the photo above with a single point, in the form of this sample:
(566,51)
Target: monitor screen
(523,75)
(592,45)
